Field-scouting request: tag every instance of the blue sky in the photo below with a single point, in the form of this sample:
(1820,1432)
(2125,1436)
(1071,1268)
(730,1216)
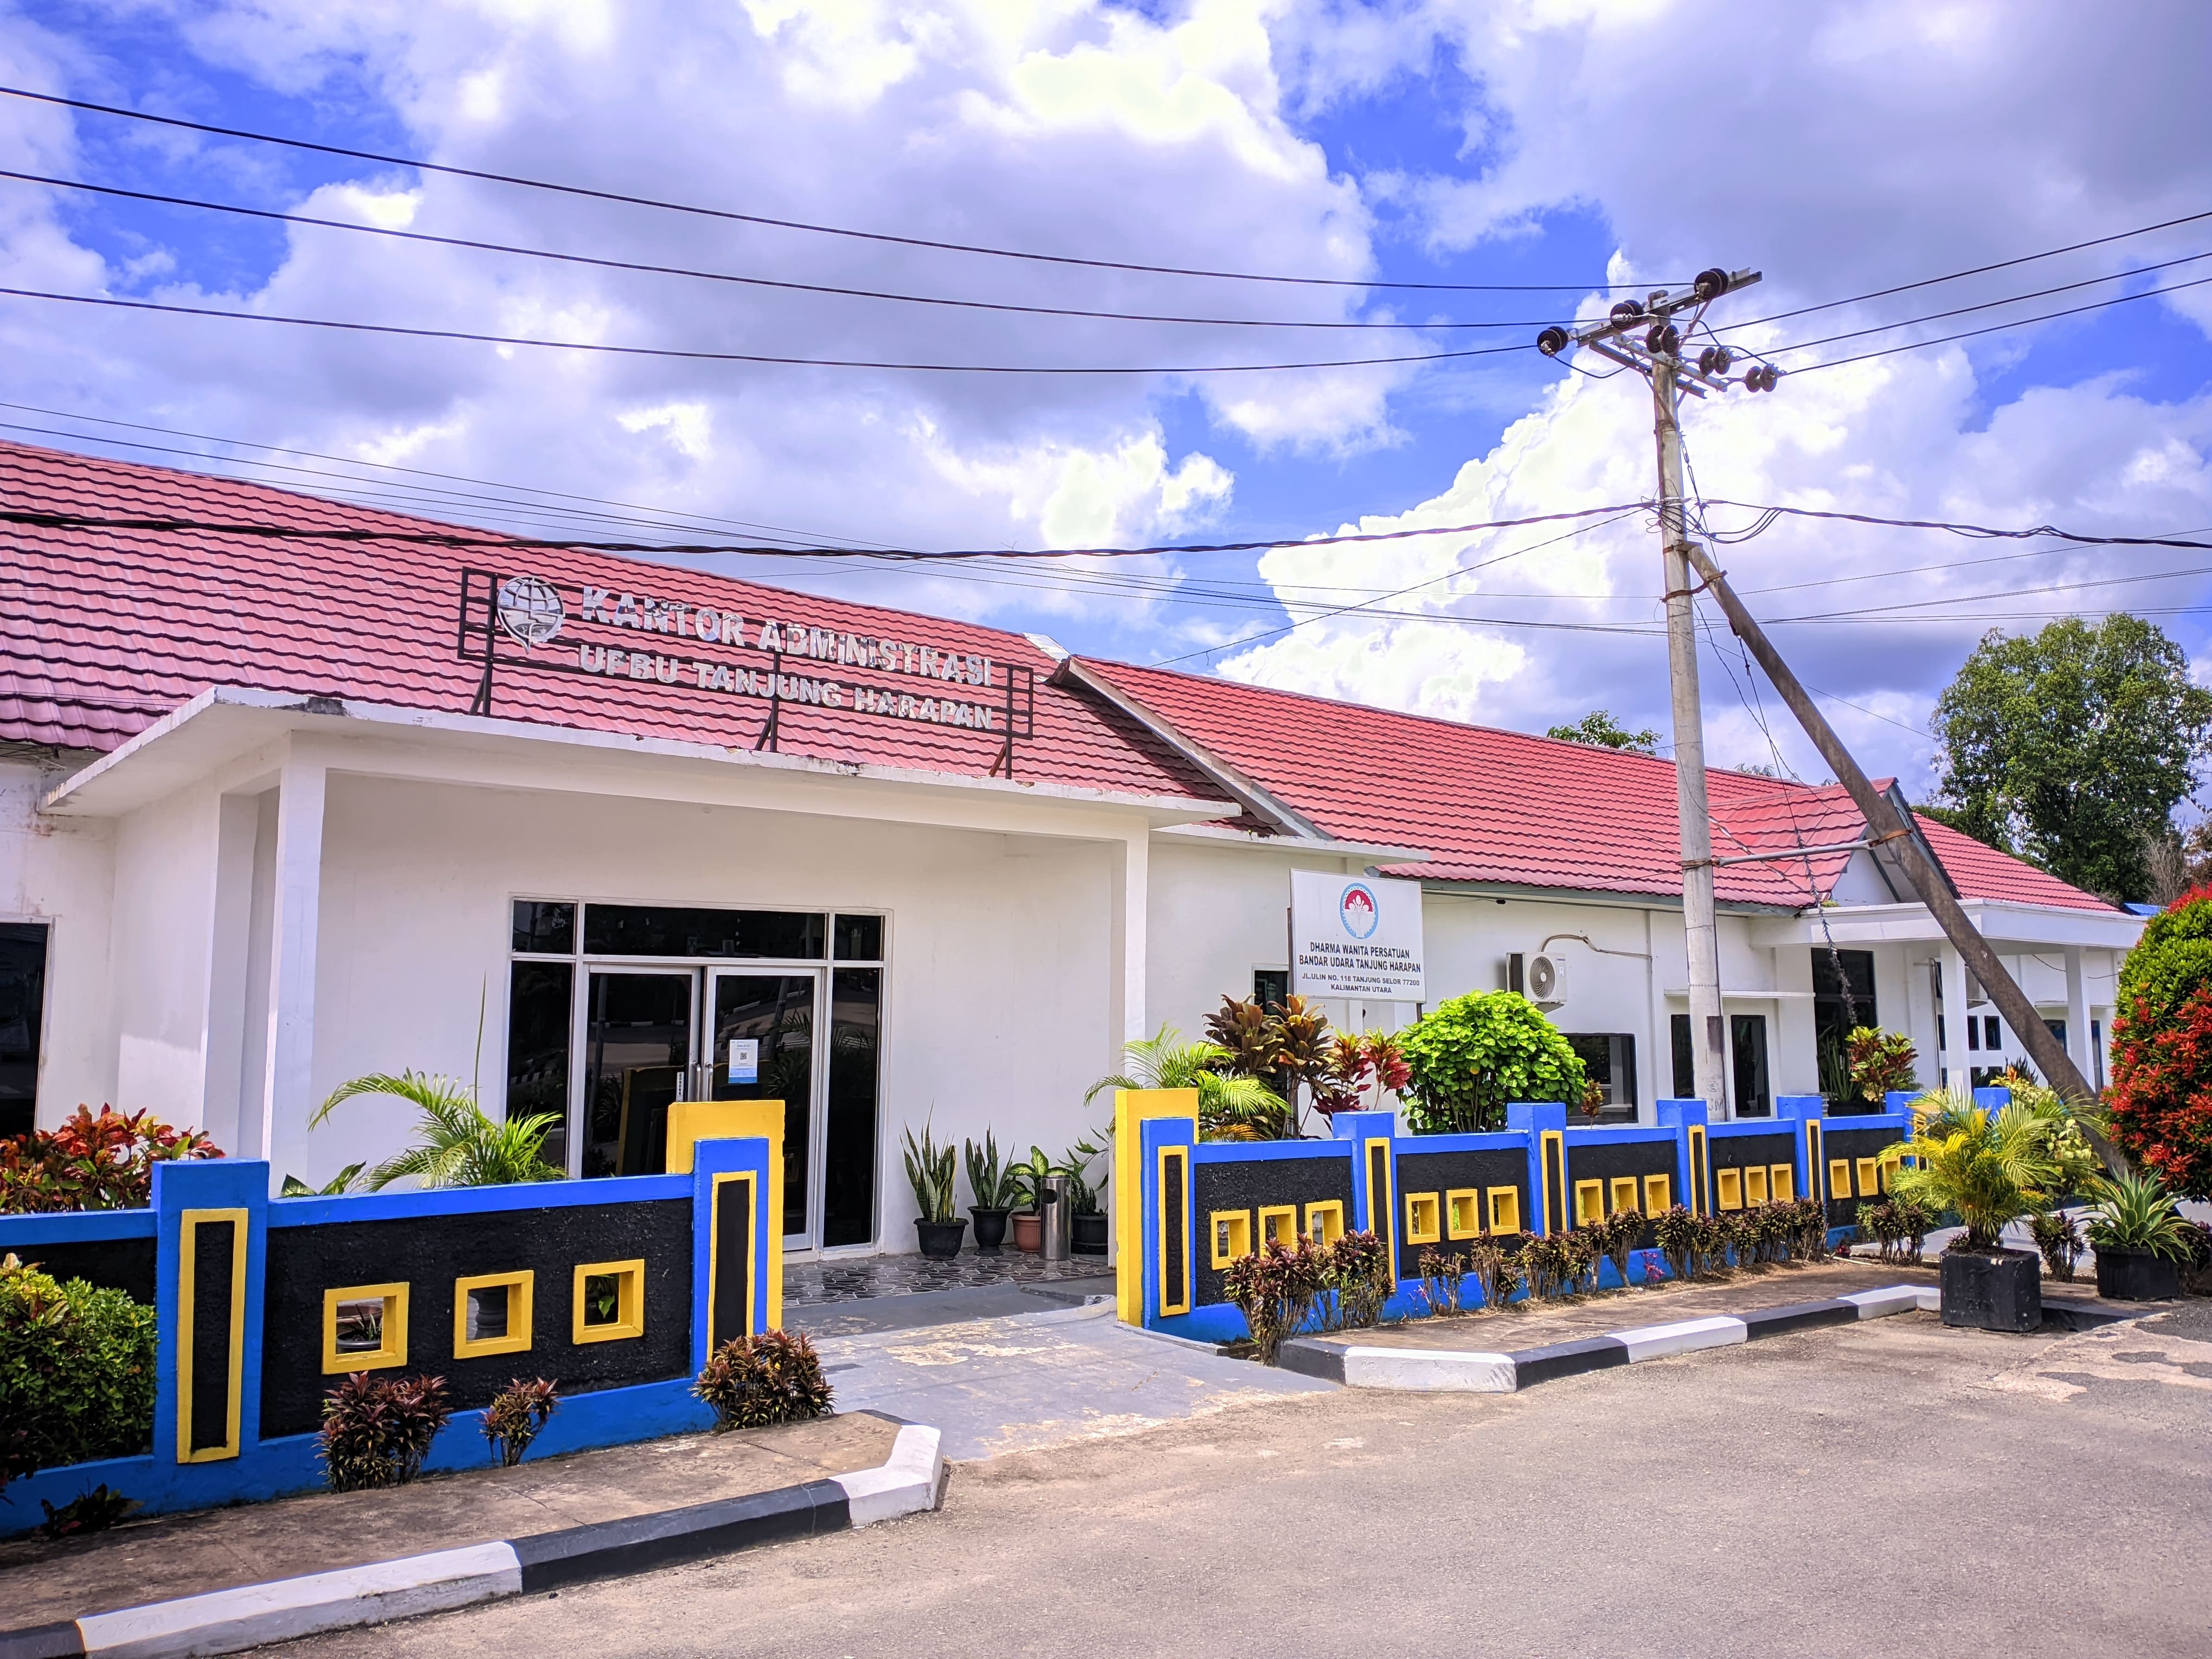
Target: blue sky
(1841,148)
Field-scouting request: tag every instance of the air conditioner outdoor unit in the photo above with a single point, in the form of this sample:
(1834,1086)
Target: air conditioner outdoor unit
(1546,980)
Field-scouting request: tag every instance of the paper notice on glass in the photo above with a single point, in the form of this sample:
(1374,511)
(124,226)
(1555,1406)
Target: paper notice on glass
(744,1060)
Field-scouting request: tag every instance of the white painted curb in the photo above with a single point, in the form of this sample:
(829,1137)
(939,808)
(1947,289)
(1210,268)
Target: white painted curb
(225,1621)
(1447,1372)
(1895,1299)
(1683,1336)
(905,1483)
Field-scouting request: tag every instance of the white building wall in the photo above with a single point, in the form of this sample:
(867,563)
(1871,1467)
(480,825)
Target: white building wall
(164,874)
(61,872)
(996,1014)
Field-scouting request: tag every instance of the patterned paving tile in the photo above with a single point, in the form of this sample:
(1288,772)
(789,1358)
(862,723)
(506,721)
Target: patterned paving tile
(859,1279)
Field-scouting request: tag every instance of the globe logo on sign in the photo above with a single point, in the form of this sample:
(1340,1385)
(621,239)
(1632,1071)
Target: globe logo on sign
(1358,911)
(530,609)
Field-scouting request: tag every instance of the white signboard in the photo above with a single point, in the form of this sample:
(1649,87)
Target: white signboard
(744,1060)
(1356,936)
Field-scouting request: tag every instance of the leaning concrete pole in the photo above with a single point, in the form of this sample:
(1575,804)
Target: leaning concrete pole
(1708,1029)
(1888,827)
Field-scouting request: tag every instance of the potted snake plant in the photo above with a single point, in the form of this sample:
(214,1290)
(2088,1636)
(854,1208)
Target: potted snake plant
(2140,1239)
(996,1190)
(929,1172)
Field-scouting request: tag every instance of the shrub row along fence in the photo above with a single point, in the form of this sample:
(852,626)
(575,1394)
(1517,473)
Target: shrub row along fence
(617,1288)
(1193,1208)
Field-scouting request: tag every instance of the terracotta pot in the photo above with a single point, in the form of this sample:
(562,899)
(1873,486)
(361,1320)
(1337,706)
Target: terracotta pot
(1029,1230)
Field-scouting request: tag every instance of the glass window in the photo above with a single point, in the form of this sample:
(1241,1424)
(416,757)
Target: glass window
(660,930)
(848,1171)
(1609,1060)
(859,939)
(1749,1034)
(774,1013)
(544,929)
(1270,986)
(537,1020)
(22,1012)
(1686,1072)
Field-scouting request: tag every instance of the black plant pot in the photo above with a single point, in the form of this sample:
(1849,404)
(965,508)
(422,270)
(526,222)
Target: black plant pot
(2137,1276)
(1090,1234)
(990,1227)
(1993,1290)
(941,1239)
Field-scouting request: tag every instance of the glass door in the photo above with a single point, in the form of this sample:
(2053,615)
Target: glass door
(637,1052)
(760,1033)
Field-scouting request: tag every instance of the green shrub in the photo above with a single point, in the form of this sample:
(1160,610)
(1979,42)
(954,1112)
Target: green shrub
(1898,1224)
(1442,1274)
(1468,1058)
(2136,1212)
(2057,1236)
(76,1370)
(104,1163)
(1356,1266)
(1617,1235)
(757,1381)
(1675,1231)
(88,1511)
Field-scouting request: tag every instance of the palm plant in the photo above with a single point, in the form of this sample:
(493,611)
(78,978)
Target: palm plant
(2136,1212)
(1989,1169)
(1228,1108)
(460,1145)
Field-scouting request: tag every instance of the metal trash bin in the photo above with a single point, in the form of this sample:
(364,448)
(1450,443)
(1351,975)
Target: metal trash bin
(1058,1219)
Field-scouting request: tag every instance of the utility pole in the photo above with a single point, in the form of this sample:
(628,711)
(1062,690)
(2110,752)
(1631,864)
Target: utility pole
(1657,355)
(1891,829)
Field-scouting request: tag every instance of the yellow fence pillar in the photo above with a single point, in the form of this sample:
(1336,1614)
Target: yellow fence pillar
(1131,1108)
(691,1122)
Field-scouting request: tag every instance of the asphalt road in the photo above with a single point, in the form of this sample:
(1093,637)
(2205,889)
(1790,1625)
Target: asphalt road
(1890,1488)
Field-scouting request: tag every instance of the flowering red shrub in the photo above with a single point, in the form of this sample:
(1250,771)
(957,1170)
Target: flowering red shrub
(2161,1101)
(104,1163)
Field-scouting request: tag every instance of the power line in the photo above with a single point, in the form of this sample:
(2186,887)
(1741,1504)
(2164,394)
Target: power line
(1990,305)
(701,355)
(1998,328)
(1974,532)
(512,544)
(646,268)
(1976,270)
(728,215)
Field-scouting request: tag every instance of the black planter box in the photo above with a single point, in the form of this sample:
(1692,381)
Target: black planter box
(1090,1234)
(941,1239)
(1993,1290)
(2137,1276)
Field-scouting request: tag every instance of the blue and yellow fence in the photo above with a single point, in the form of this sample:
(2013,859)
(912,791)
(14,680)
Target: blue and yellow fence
(1186,1208)
(616,1288)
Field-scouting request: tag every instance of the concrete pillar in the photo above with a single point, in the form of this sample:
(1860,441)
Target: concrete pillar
(2077,1016)
(1957,1074)
(296,903)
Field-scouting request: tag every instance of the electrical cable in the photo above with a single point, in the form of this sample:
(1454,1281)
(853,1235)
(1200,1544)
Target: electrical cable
(629,200)
(694,355)
(646,268)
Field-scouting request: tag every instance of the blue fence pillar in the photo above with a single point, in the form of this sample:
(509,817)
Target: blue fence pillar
(1545,1123)
(1688,1119)
(211,1219)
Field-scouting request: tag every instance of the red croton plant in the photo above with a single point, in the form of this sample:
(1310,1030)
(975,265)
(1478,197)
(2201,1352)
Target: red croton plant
(103,1163)
(2159,1104)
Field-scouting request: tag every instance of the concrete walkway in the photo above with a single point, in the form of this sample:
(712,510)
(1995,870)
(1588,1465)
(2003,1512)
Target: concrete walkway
(993,1386)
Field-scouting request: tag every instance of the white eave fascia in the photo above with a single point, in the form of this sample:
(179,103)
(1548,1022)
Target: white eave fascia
(1254,797)
(100,788)
(1223,834)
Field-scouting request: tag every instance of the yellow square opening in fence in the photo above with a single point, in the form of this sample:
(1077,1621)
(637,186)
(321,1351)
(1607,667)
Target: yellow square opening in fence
(1279,1225)
(1624,1193)
(1658,1194)
(1325,1221)
(1730,1183)
(1462,1213)
(1232,1235)
(1782,1179)
(1840,1177)
(1424,1217)
(1589,1202)
(1755,1185)
(607,1302)
(364,1328)
(1504,1209)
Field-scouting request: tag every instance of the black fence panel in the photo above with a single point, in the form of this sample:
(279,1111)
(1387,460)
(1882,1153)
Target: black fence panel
(123,1264)
(1248,1186)
(1423,1174)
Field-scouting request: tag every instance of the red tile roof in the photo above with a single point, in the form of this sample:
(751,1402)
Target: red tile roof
(109,629)
(1504,807)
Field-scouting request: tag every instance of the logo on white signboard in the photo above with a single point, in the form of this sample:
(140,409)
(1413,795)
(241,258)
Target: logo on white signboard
(1356,937)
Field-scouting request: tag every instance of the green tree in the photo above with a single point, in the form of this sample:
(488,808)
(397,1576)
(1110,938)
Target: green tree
(2073,746)
(1470,1058)
(1598,727)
